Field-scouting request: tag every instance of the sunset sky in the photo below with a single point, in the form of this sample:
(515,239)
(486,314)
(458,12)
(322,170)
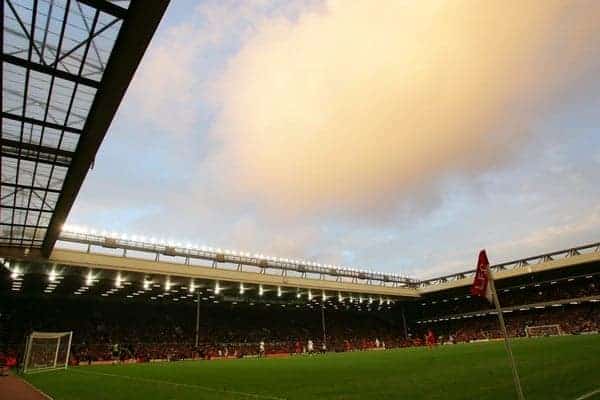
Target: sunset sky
(399,136)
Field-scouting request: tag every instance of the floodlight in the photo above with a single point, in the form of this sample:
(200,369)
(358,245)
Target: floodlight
(298,295)
(261,291)
(217,288)
(340,297)
(167,285)
(309,295)
(192,287)
(15,273)
(242,288)
(52,276)
(279,292)
(370,300)
(89,280)
(118,281)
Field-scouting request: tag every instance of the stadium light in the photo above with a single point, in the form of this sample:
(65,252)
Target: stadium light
(89,280)
(15,273)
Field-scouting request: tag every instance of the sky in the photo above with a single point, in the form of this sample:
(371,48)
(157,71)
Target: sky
(397,136)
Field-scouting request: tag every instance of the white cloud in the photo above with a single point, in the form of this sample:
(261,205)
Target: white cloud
(368,104)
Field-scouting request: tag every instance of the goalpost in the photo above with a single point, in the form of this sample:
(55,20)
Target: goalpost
(543,330)
(46,351)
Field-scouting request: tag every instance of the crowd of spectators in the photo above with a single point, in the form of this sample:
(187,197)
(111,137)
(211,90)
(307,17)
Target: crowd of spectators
(572,319)
(167,331)
(530,293)
(144,332)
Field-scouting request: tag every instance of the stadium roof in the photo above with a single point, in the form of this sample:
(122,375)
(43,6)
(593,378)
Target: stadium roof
(66,65)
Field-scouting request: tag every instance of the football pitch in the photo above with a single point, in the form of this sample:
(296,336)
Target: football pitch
(550,368)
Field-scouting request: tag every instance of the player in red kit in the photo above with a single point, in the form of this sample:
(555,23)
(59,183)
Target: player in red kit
(430,339)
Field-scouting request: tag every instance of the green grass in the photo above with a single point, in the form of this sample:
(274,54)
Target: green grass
(550,368)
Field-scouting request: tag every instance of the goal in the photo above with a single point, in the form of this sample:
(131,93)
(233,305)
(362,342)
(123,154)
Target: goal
(543,330)
(46,351)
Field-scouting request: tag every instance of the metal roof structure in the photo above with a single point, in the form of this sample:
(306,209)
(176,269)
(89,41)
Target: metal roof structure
(66,65)
(188,255)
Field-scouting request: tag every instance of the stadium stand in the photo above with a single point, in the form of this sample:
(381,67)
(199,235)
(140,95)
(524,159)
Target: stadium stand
(165,330)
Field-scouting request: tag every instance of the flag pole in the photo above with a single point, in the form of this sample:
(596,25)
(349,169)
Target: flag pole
(507,346)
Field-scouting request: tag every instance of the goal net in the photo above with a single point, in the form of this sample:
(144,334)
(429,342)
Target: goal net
(46,351)
(543,330)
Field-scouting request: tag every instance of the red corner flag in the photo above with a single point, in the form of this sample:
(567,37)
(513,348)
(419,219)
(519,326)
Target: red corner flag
(481,284)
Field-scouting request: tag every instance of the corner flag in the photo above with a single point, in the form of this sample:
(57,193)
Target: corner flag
(483,286)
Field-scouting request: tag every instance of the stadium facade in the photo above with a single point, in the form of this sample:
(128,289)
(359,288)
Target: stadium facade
(66,66)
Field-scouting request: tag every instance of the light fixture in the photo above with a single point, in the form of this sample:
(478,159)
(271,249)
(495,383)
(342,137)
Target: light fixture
(89,280)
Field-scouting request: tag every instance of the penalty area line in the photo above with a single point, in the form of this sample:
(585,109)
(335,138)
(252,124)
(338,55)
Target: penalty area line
(588,394)
(188,385)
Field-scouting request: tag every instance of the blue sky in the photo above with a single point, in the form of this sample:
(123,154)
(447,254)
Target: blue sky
(395,136)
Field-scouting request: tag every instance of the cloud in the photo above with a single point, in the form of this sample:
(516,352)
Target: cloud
(172,84)
(364,107)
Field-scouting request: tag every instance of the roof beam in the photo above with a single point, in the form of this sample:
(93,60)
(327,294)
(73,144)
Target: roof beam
(142,19)
(36,148)
(106,7)
(35,158)
(45,69)
(35,121)
(27,187)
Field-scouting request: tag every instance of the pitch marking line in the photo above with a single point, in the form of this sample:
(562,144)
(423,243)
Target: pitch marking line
(47,396)
(588,395)
(189,385)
